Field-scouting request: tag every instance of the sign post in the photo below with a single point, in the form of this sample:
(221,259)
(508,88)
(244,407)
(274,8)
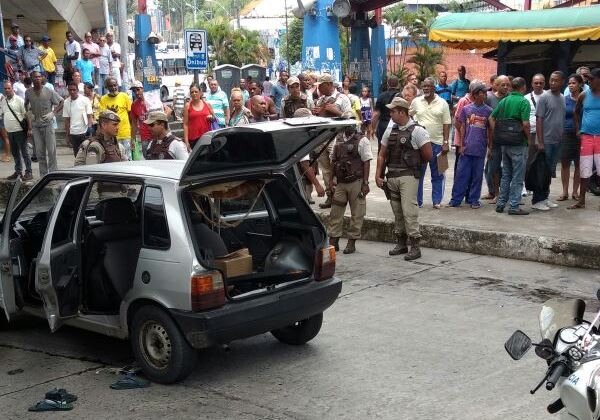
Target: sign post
(196,51)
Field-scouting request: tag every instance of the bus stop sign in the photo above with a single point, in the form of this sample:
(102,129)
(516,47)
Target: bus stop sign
(196,56)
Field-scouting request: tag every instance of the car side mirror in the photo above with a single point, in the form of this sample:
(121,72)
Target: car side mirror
(517,345)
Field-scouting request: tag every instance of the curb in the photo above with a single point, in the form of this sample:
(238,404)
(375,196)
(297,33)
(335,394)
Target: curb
(517,246)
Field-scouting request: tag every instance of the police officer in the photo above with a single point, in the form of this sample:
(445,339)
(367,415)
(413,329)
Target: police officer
(349,184)
(103,146)
(405,146)
(164,145)
(295,100)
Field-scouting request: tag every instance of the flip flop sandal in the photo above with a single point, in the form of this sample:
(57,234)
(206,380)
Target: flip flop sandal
(575,197)
(476,206)
(130,382)
(563,198)
(51,405)
(576,206)
(60,395)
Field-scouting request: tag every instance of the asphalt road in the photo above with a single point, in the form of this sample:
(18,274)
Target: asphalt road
(420,340)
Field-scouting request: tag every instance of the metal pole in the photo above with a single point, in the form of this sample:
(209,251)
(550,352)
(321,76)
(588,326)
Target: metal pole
(122,21)
(195,19)
(237,13)
(287,38)
(106,16)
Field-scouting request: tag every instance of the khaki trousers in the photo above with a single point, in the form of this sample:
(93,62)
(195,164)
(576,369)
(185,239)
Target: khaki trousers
(403,191)
(347,193)
(325,165)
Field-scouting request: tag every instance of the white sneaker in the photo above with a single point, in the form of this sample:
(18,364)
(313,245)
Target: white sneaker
(540,206)
(551,204)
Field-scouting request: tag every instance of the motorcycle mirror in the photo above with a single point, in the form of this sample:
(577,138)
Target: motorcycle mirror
(545,350)
(517,345)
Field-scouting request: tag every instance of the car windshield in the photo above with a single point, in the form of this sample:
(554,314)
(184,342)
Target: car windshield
(244,149)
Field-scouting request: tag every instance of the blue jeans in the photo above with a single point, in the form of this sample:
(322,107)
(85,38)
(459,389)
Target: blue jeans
(437,179)
(467,180)
(552,156)
(514,161)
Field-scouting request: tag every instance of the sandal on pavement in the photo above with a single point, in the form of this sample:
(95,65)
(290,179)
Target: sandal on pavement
(575,197)
(488,197)
(437,206)
(60,395)
(51,405)
(130,382)
(562,198)
(576,206)
(476,206)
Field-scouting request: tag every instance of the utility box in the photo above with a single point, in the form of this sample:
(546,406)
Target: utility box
(228,77)
(256,72)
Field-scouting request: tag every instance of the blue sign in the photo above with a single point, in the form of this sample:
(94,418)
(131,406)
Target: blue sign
(196,49)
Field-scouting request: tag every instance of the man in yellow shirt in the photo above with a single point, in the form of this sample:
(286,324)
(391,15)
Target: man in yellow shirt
(48,60)
(120,104)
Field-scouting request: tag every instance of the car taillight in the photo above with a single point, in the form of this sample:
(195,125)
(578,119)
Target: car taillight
(325,263)
(207,291)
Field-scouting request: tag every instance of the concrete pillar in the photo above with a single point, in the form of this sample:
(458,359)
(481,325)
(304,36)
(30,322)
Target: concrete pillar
(360,56)
(321,43)
(56,32)
(145,66)
(378,59)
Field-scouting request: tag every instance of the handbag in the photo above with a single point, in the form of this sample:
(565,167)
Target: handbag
(22,123)
(214,125)
(509,132)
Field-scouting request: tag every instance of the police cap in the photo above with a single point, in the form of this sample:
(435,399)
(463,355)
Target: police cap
(109,116)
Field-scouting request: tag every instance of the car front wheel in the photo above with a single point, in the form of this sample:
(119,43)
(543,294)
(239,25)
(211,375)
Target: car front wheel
(159,347)
(300,332)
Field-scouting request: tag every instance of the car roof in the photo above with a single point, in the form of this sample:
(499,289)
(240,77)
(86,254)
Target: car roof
(169,169)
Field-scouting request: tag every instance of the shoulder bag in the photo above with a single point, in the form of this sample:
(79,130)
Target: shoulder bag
(22,123)
(508,132)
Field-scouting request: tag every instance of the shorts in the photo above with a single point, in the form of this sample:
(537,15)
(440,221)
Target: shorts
(589,153)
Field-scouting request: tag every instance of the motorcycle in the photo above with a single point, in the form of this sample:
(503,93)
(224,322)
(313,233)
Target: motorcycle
(571,347)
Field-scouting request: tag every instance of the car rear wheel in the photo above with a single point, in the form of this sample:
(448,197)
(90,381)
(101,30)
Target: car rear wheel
(159,347)
(300,332)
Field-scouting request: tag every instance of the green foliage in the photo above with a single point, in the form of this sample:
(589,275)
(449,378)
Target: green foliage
(425,60)
(291,48)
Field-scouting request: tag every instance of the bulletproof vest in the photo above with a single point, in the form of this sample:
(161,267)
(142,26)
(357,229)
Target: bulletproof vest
(110,151)
(347,164)
(292,104)
(161,150)
(402,158)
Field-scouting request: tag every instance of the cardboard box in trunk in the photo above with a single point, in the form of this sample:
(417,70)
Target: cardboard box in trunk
(237,263)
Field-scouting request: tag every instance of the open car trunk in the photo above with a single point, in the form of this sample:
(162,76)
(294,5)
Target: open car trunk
(259,232)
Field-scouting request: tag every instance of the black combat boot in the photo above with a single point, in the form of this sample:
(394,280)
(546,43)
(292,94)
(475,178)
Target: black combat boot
(400,247)
(327,203)
(335,242)
(415,251)
(350,246)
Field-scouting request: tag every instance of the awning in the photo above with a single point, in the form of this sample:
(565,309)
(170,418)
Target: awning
(485,30)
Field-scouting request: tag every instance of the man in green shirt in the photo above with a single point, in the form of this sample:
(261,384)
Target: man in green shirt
(514,108)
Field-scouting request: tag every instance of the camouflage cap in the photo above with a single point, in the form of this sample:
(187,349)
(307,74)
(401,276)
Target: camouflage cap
(109,116)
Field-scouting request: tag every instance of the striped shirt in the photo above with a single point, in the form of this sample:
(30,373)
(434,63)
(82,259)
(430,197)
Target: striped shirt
(219,103)
(178,98)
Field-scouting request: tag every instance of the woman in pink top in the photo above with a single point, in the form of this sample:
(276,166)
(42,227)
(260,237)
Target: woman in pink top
(197,117)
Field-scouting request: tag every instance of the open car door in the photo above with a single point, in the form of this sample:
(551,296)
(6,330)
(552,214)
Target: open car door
(58,271)
(7,285)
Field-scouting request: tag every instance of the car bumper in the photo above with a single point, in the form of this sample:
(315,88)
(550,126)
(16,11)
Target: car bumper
(244,319)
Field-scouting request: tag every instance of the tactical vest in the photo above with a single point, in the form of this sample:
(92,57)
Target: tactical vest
(402,158)
(111,151)
(292,104)
(347,164)
(161,150)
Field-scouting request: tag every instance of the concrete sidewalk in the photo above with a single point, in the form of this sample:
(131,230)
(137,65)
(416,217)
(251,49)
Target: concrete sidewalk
(558,236)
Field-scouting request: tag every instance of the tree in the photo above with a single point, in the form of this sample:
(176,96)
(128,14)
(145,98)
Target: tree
(291,46)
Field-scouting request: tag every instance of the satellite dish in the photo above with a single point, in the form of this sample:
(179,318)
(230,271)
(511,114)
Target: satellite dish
(341,8)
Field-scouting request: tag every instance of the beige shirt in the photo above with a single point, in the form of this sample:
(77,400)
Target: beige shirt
(432,116)
(17,104)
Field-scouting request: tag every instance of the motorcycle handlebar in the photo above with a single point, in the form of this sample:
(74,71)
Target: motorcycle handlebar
(558,370)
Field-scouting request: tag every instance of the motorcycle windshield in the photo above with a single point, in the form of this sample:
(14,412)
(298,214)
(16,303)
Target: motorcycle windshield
(560,313)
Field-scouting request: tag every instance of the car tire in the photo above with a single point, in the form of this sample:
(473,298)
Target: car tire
(164,94)
(300,332)
(159,346)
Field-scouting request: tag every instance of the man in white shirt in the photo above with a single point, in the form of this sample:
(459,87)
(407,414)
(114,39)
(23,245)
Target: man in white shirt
(19,86)
(78,115)
(73,50)
(12,110)
(164,144)
(115,50)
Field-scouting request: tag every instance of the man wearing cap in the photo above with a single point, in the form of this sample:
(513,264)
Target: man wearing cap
(103,147)
(349,183)
(331,103)
(296,99)
(15,32)
(78,115)
(405,145)
(476,139)
(48,59)
(164,145)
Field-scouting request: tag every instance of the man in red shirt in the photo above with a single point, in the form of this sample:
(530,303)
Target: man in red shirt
(139,113)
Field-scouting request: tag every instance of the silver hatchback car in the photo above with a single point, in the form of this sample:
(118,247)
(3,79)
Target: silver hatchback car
(177,256)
